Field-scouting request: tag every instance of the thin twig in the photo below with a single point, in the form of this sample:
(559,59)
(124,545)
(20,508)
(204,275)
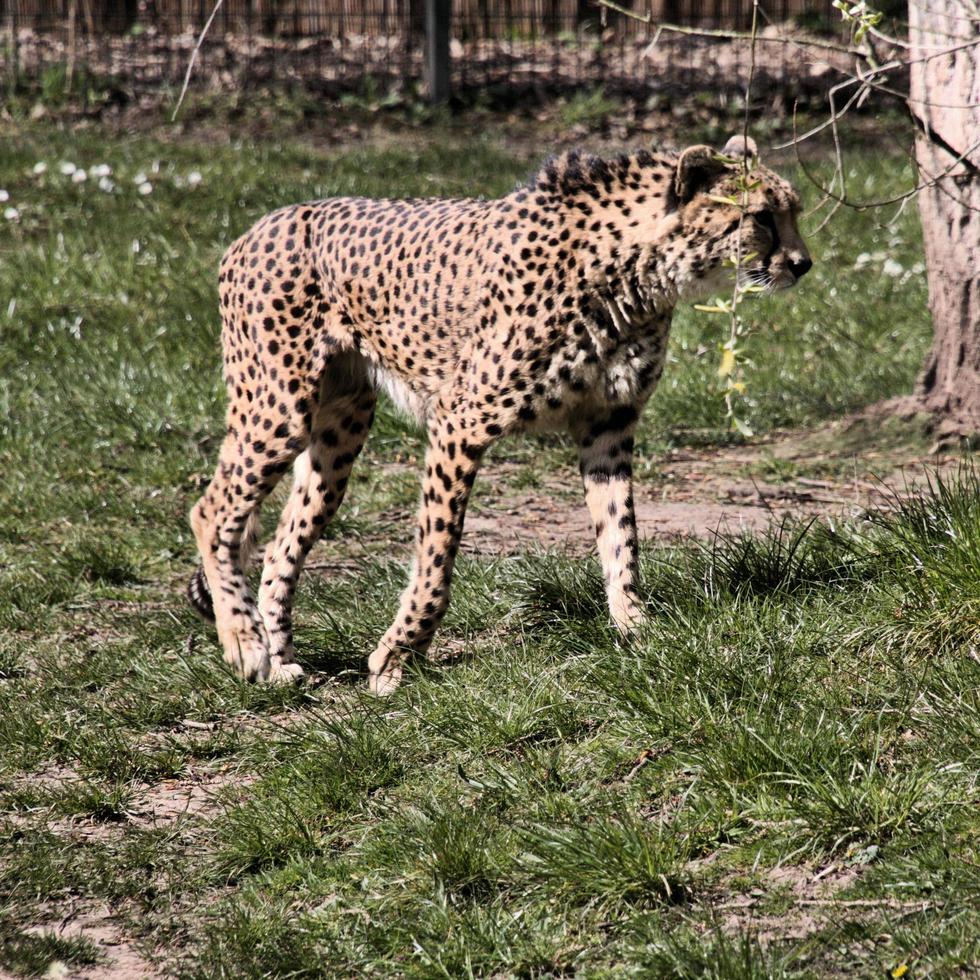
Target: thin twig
(729,35)
(72,40)
(854,903)
(807,42)
(190,65)
(816,130)
(859,903)
(898,198)
(934,137)
(736,289)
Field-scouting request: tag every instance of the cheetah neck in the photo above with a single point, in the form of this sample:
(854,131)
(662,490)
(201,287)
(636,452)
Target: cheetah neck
(621,219)
(634,288)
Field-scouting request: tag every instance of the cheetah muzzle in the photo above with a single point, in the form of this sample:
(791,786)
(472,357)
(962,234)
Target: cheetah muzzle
(548,309)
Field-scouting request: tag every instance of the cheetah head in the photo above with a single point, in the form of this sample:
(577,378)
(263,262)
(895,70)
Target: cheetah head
(775,254)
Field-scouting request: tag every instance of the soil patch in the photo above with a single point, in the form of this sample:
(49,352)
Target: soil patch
(811,892)
(121,957)
(839,471)
(193,795)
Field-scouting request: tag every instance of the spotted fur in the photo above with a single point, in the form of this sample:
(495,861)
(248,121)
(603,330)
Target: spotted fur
(547,309)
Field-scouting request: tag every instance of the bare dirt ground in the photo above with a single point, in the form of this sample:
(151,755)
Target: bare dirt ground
(700,494)
(838,471)
(187,802)
(121,958)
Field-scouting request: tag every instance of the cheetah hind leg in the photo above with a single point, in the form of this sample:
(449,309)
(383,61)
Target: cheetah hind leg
(198,590)
(219,520)
(320,476)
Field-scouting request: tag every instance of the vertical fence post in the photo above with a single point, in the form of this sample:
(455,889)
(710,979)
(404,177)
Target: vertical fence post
(13,63)
(437,17)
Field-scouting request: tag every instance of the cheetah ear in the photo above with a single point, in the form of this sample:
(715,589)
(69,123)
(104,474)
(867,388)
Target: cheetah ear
(741,147)
(697,169)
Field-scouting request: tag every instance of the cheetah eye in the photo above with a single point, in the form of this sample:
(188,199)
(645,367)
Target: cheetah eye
(766,220)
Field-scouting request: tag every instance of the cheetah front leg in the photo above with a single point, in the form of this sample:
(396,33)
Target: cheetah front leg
(606,462)
(451,464)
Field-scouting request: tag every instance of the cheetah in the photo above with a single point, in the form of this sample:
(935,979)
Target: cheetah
(547,309)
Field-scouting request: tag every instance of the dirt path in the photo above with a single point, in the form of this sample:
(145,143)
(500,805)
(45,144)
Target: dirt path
(187,802)
(120,957)
(840,470)
(694,495)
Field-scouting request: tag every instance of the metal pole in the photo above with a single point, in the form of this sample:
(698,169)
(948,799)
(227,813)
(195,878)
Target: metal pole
(437,17)
(14,63)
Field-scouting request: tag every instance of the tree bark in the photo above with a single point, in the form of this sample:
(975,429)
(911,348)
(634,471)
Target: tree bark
(945,103)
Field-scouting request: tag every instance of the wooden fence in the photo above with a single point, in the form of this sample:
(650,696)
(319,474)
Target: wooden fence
(503,49)
(471,19)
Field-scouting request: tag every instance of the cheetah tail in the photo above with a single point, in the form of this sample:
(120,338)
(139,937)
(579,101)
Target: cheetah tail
(199,596)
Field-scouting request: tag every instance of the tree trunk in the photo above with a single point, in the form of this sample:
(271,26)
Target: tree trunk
(945,102)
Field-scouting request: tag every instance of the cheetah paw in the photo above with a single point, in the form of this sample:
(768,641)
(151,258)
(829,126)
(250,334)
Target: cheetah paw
(385,683)
(247,655)
(284,673)
(629,620)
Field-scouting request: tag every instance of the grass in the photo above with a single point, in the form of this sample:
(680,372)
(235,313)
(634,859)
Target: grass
(586,108)
(778,779)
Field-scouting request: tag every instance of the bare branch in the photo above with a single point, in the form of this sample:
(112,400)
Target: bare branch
(190,65)
(933,180)
(810,42)
(940,185)
(816,130)
(935,138)
(869,81)
(801,42)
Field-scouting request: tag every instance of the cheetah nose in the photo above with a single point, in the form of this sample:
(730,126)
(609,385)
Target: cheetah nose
(800,267)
